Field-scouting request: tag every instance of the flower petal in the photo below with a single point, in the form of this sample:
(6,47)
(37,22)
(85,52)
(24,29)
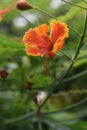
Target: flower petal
(37,40)
(34,37)
(57,46)
(37,35)
(42,29)
(59,30)
(34,50)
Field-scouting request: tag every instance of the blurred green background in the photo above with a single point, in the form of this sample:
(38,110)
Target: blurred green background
(25,77)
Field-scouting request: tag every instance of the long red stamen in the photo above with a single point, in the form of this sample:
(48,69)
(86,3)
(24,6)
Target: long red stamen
(45,65)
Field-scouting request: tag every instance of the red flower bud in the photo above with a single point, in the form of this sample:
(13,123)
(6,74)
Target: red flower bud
(39,98)
(3,74)
(28,85)
(23,5)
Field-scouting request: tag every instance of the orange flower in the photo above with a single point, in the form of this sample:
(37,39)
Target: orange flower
(39,43)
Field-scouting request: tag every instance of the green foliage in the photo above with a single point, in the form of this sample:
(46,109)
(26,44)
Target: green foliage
(66,82)
(9,45)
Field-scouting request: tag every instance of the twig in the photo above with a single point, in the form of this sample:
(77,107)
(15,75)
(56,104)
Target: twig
(84,1)
(11,121)
(81,39)
(76,76)
(64,53)
(44,12)
(74,30)
(39,124)
(74,4)
(66,108)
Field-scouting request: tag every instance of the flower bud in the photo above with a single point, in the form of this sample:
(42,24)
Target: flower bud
(3,74)
(28,85)
(39,98)
(23,5)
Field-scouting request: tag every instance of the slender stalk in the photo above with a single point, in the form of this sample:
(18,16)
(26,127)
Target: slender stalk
(39,124)
(66,108)
(45,65)
(74,30)
(65,54)
(82,38)
(74,4)
(26,19)
(84,1)
(76,76)
(44,12)
(11,121)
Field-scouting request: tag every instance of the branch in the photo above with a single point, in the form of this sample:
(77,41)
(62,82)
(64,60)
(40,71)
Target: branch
(44,12)
(84,1)
(76,76)
(74,4)
(66,108)
(11,121)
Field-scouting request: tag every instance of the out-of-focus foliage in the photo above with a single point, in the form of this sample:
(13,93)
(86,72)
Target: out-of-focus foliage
(25,73)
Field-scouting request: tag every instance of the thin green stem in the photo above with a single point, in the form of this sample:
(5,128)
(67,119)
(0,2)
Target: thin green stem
(11,121)
(65,54)
(44,12)
(66,108)
(39,124)
(76,76)
(45,65)
(84,1)
(74,30)
(81,39)
(83,47)
(26,19)
(74,4)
